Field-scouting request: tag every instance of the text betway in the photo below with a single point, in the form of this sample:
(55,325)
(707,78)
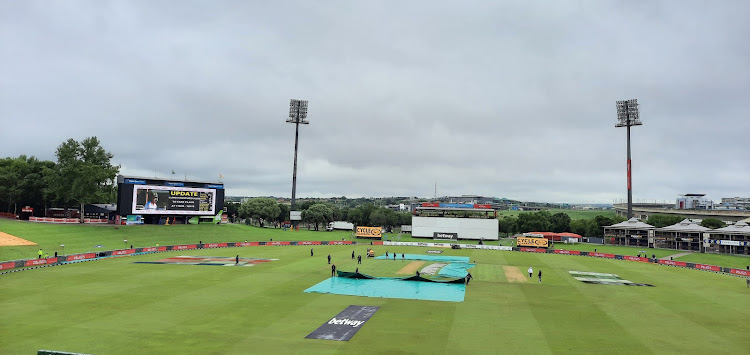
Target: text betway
(345,321)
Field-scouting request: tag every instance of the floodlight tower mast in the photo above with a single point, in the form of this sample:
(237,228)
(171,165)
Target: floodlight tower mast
(297,115)
(628,115)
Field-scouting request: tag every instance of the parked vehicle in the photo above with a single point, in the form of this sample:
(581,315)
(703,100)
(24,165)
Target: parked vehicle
(340,225)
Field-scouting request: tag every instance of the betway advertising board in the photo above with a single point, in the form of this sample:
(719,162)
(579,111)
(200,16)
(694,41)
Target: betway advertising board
(344,325)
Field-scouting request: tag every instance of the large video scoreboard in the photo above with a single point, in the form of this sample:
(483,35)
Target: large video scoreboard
(144,196)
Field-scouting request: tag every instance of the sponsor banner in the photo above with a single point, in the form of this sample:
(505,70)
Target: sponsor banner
(308,243)
(634,258)
(149,249)
(369,232)
(482,206)
(673,263)
(568,252)
(729,242)
(484,247)
(533,250)
(344,325)
(184,247)
(161,248)
(428,204)
(178,184)
(123,252)
(444,236)
(456,205)
(6,266)
(434,251)
(602,255)
(277,243)
(135,181)
(377,243)
(343,242)
(532,242)
(34,262)
(215,245)
(707,267)
(214,186)
(84,256)
(247,244)
(739,272)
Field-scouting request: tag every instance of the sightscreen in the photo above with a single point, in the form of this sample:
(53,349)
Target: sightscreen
(150,199)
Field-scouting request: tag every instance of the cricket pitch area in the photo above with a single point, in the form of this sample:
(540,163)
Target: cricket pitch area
(8,240)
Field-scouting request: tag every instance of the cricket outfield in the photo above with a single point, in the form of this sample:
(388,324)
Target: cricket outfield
(122,305)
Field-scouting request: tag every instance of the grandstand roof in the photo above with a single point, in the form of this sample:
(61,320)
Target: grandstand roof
(685,226)
(632,223)
(737,228)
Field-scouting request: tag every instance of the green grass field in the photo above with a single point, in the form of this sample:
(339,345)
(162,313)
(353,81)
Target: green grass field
(115,306)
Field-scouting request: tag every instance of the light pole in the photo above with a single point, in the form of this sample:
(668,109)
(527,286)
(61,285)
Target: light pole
(297,115)
(627,115)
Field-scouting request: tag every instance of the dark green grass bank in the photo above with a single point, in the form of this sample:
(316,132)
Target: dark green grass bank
(115,306)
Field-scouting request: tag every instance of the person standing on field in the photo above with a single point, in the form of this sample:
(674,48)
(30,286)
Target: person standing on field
(237,260)
(329,259)
(540,276)
(40,253)
(333,270)
(359,259)
(352,254)
(311,251)
(531,272)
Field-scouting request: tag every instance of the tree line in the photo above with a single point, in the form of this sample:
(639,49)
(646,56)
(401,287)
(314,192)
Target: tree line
(263,211)
(82,174)
(543,221)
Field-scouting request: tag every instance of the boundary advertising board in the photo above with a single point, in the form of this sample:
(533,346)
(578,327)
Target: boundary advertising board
(532,242)
(369,232)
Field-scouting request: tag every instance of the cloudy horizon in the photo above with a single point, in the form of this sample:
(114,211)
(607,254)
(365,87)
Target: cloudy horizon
(506,99)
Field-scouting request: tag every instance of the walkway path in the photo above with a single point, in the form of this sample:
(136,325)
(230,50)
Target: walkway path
(669,257)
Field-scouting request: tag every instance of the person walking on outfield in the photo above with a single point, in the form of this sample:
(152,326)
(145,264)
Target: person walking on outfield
(468,277)
(237,260)
(329,259)
(311,251)
(394,256)
(540,276)
(40,253)
(531,272)
(333,270)
(359,259)
(402,256)
(352,254)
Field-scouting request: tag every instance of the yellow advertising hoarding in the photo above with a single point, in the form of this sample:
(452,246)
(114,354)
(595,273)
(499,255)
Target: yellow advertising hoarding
(369,232)
(532,242)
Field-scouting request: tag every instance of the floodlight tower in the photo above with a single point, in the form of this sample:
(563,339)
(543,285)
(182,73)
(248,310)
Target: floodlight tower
(297,115)
(627,115)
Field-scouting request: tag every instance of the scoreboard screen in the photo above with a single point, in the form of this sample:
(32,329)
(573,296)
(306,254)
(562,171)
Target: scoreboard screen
(152,199)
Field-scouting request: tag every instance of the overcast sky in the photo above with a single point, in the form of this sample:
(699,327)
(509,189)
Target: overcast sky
(495,98)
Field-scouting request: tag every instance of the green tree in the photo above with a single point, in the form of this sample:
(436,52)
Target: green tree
(663,220)
(318,213)
(580,226)
(84,173)
(507,225)
(262,209)
(404,218)
(283,212)
(713,223)
(560,222)
(534,222)
(360,215)
(385,217)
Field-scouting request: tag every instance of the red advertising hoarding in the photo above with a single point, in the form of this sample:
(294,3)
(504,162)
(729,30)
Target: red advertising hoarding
(534,250)
(308,243)
(123,252)
(34,262)
(602,255)
(707,267)
(569,252)
(634,258)
(82,256)
(215,245)
(185,247)
(6,266)
(673,263)
(739,272)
